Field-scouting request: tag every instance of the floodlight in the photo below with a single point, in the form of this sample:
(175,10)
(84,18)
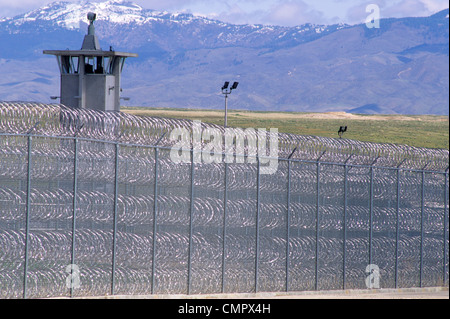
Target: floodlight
(91,16)
(226,90)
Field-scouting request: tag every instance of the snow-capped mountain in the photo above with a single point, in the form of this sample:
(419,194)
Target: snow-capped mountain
(128,24)
(69,15)
(400,68)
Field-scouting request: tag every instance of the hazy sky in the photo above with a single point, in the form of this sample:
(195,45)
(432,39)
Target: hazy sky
(278,12)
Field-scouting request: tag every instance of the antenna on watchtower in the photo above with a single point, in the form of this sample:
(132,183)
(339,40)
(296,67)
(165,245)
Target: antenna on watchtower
(91,17)
(90,40)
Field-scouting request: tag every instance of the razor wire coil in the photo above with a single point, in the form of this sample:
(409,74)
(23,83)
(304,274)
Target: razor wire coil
(394,192)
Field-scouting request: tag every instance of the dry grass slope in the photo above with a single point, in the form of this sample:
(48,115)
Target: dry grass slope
(416,130)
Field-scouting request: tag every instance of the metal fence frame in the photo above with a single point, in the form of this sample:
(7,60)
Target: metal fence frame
(289,160)
(346,165)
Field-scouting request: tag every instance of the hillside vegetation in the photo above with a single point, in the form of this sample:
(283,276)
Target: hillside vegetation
(415,130)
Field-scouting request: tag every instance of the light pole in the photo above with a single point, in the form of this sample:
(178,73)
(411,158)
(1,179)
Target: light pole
(226,90)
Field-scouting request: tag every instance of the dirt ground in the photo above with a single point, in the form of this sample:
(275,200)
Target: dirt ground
(406,293)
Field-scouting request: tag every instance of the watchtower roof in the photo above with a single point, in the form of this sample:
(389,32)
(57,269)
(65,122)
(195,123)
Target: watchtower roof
(91,53)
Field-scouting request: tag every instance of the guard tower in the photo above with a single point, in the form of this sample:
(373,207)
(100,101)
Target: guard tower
(90,77)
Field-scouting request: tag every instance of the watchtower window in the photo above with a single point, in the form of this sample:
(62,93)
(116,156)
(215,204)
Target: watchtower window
(89,65)
(113,63)
(94,65)
(68,64)
(109,62)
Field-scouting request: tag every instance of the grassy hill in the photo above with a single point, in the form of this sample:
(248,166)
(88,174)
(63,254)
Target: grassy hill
(416,130)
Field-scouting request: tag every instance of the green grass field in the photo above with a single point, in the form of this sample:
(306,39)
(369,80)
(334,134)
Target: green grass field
(416,130)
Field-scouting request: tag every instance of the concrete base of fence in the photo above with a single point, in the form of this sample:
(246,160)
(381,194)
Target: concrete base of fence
(404,293)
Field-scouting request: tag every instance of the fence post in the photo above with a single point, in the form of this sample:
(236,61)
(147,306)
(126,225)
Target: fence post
(316,285)
(257,223)
(397,227)
(116,191)
(370,214)
(155,208)
(191,209)
(422,209)
(422,228)
(224,234)
(27,218)
(288,225)
(74,213)
(288,217)
(397,230)
(344,241)
(371,211)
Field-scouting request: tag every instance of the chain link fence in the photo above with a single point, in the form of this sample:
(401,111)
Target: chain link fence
(92,204)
